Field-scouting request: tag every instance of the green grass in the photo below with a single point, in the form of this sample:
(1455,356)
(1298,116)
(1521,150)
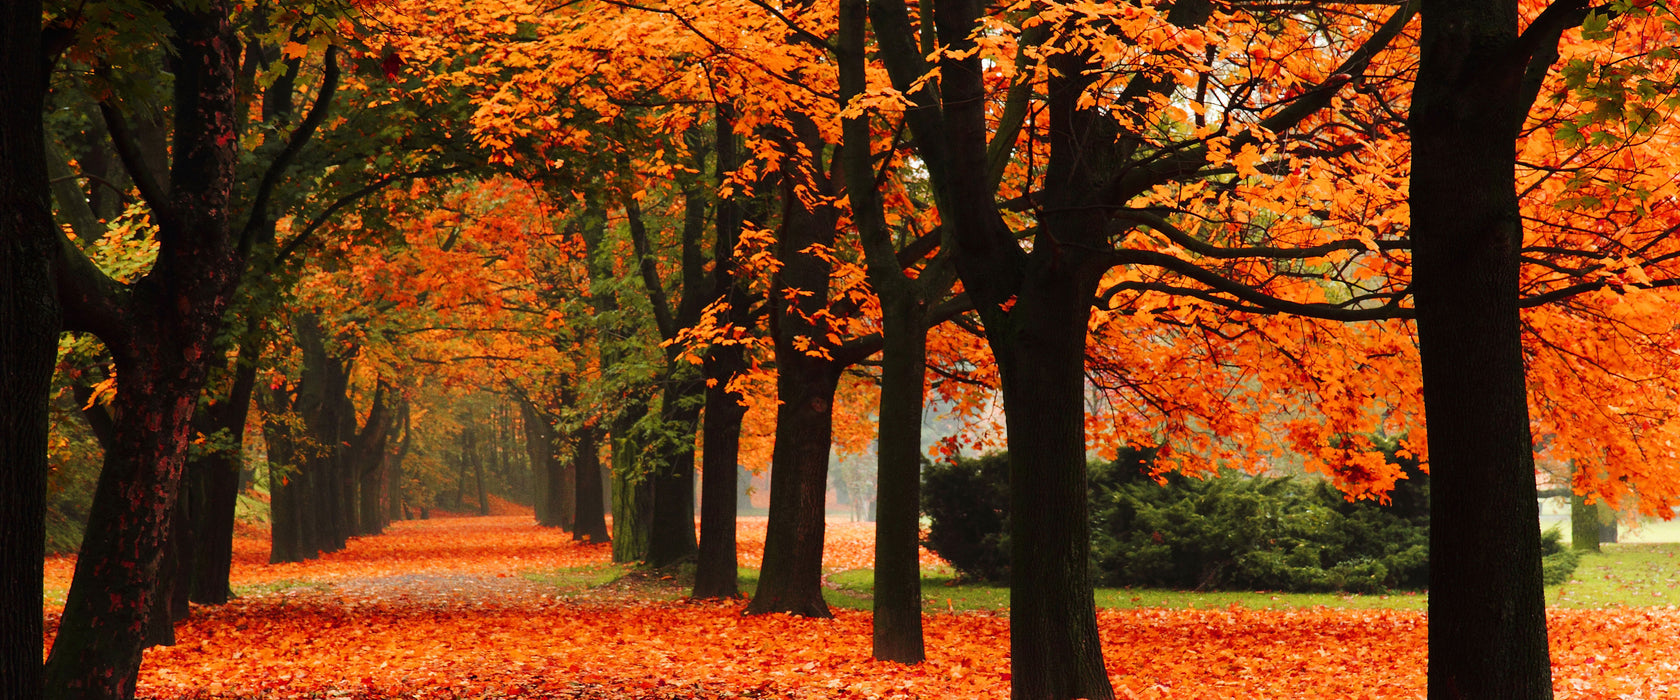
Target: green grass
(1634,575)
(942,593)
(280,586)
(581,577)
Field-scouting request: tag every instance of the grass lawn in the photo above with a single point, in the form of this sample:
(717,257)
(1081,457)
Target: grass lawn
(1634,575)
(1626,575)
(943,593)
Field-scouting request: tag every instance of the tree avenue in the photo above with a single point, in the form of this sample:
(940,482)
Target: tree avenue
(607,255)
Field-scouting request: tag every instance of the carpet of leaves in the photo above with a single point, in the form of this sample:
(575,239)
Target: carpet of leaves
(320,642)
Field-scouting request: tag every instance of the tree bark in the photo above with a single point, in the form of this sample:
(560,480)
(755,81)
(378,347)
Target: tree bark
(671,530)
(1487,630)
(716,571)
(368,460)
(898,580)
(216,484)
(478,476)
(632,491)
(717,565)
(554,489)
(591,513)
(29,328)
(791,579)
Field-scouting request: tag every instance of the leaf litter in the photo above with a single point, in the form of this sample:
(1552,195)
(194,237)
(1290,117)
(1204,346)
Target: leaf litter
(440,610)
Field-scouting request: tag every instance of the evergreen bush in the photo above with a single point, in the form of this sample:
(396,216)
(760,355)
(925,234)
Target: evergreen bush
(967,503)
(1227,531)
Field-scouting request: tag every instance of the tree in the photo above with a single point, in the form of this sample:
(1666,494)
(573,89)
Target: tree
(1477,78)
(160,331)
(1104,150)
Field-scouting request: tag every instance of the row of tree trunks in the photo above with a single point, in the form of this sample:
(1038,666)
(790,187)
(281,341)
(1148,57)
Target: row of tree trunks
(326,472)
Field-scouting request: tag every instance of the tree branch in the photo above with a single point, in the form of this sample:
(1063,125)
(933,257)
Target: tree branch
(128,151)
(342,202)
(294,145)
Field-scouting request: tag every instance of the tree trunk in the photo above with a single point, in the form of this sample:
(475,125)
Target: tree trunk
(1054,647)
(29,328)
(898,568)
(717,567)
(632,491)
(540,445)
(1584,526)
(591,513)
(898,575)
(289,491)
(671,537)
(394,467)
(791,580)
(478,474)
(216,475)
(367,460)
(1487,622)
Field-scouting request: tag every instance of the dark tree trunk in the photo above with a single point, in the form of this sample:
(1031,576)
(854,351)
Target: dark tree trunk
(289,493)
(1054,647)
(1487,621)
(716,570)
(161,332)
(29,326)
(717,566)
(791,579)
(671,530)
(215,482)
(394,467)
(670,457)
(478,476)
(321,405)
(591,513)
(554,490)
(898,575)
(898,568)
(368,461)
(344,456)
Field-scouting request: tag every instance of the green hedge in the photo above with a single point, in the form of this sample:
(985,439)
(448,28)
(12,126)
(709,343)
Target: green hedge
(1228,531)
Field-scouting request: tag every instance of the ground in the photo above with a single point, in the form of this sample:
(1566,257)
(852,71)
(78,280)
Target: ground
(493,608)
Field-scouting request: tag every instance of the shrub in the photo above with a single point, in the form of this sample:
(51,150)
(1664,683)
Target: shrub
(1557,562)
(967,505)
(1236,531)
(1227,531)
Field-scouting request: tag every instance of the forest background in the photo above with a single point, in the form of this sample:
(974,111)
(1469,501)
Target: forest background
(679,238)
